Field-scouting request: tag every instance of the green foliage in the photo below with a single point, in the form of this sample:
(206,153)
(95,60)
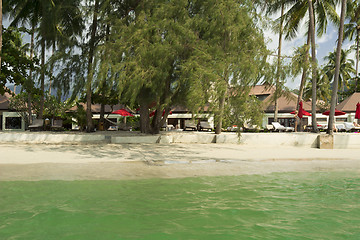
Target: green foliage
(53,108)
(80,116)
(14,62)
(346,68)
(244,109)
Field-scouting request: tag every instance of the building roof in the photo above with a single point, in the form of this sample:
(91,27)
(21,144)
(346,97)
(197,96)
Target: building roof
(286,104)
(4,101)
(349,104)
(95,108)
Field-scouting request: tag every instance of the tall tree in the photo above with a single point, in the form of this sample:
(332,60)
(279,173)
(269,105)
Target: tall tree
(337,69)
(352,32)
(313,65)
(346,68)
(234,46)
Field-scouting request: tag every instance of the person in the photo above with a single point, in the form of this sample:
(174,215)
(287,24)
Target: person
(296,117)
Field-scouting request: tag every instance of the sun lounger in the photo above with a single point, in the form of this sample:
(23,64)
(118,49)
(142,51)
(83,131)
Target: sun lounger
(280,128)
(350,127)
(37,124)
(190,124)
(270,127)
(57,125)
(204,125)
(251,128)
(340,127)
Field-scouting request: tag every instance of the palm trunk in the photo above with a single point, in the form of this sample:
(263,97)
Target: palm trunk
(42,79)
(29,90)
(337,69)
(357,57)
(304,73)
(313,66)
(90,76)
(277,83)
(0,31)
(52,70)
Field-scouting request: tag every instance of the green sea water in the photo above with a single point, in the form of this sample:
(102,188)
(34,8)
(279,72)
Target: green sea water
(275,206)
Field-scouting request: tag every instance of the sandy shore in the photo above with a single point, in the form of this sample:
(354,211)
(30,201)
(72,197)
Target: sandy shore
(129,161)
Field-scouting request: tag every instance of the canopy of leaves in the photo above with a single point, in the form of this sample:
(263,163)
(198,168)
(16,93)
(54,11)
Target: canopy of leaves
(14,64)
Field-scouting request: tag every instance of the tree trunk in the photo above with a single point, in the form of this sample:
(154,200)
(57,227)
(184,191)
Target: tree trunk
(313,66)
(0,31)
(90,75)
(337,69)
(304,73)
(277,83)
(42,80)
(144,117)
(29,90)
(221,112)
(357,57)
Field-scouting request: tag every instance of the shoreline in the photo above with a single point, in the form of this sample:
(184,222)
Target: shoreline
(34,162)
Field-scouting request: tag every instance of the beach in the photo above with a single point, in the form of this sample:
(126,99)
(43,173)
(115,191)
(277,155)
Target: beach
(34,162)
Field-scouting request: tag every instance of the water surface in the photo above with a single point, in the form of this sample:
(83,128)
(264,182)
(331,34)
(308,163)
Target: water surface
(274,206)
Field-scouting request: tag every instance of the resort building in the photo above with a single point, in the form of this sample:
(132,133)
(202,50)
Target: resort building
(10,120)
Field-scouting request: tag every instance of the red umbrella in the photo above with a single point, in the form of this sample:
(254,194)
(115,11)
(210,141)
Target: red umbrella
(153,113)
(357,113)
(337,113)
(123,113)
(302,112)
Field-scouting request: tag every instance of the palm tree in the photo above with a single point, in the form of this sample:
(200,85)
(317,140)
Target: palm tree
(273,7)
(47,18)
(294,16)
(352,31)
(345,70)
(1,16)
(298,10)
(330,130)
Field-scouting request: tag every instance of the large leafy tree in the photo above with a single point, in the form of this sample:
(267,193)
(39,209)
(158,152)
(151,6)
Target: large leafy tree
(234,50)
(154,44)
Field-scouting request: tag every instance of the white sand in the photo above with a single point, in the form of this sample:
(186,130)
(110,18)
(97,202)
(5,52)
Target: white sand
(130,161)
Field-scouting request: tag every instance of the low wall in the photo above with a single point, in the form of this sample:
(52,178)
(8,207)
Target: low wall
(309,140)
(51,138)
(346,140)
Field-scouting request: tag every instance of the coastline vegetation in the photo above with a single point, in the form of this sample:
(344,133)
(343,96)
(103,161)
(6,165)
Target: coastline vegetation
(155,54)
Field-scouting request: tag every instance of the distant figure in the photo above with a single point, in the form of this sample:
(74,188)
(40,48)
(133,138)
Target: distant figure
(297,120)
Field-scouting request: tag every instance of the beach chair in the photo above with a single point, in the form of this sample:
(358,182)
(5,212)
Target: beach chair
(270,127)
(251,128)
(38,124)
(57,125)
(204,125)
(350,127)
(190,124)
(280,128)
(340,127)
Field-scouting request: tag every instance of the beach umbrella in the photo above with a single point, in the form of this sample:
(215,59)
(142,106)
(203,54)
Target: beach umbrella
(337,113)
(153,113)
(357,113)
(302,111)
(123,113)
